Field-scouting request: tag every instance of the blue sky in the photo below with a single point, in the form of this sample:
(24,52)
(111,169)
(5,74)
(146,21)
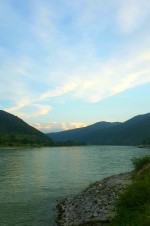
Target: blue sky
(69,63)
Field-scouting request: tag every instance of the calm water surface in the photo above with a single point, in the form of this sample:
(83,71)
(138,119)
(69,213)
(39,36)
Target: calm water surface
(31,180)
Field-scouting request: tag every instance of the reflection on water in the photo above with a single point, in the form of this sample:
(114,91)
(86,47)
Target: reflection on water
(32,179)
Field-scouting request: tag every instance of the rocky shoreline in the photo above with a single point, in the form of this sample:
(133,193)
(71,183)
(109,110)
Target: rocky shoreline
(96,204)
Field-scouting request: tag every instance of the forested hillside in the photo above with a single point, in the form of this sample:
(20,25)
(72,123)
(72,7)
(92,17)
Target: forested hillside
(14,130)
(131,132)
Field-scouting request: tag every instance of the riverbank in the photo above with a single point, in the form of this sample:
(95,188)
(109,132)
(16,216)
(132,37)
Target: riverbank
(96,204)
(119,200)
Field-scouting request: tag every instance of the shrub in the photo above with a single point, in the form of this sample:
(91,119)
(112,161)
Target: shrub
(140,163)
(133,208)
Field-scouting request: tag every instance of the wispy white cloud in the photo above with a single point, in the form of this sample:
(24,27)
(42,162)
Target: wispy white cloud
(99,80)
(26,108)
(20,104)
(41,110)
(72,125)
(59,91)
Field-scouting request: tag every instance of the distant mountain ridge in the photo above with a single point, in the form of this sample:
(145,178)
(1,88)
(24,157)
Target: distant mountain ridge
(80,133)
(130,132)
(14,130)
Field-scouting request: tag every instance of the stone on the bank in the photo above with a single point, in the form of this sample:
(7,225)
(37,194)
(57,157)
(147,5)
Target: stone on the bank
(95,203)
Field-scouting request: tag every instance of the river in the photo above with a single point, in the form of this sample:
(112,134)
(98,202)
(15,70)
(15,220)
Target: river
(33,179)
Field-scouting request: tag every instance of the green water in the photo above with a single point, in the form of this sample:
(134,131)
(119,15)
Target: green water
(31,180)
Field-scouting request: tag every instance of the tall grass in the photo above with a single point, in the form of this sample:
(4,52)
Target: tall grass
(133,208)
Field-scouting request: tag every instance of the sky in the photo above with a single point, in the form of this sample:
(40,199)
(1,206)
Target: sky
(69,63)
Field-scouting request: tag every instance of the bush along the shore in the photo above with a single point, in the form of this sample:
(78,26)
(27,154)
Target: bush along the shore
(120,200)
(141,163)
(133,208)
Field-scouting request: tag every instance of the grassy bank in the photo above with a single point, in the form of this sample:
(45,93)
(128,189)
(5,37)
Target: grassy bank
(125,196)
(133,208)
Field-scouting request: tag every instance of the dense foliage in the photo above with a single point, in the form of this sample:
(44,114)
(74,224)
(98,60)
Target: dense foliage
(139,164)
(134,204)
(14,131)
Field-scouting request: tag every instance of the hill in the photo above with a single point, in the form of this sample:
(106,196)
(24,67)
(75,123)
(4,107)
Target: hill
(130,132)
(14,131)
(80,134)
